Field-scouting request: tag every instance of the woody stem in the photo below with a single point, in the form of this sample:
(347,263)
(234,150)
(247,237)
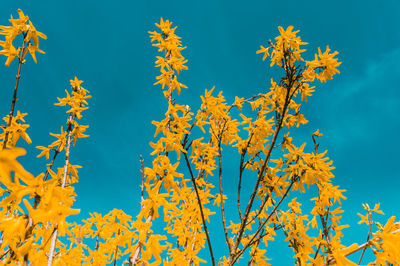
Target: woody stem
(14,100)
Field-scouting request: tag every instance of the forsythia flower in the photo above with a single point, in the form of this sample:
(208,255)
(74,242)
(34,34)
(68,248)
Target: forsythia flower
(183,197)
(173,61)
(23,26)
(325,64)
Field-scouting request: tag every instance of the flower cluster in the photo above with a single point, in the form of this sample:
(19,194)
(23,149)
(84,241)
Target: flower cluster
(23,26)
(172,62)
(15,130)
(184,183)
(52,193)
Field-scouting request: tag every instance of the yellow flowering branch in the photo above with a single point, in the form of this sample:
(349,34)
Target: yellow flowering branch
(290,76)
(241,169)
(23,26)
(166,78)
(323,217)
(67,154)
(368,236)
(221,193)
(32,237)
(76,104)
(14,99)
(201,208)
(254,239)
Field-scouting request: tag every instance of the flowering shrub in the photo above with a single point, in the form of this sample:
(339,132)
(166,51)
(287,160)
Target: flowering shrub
(33,210)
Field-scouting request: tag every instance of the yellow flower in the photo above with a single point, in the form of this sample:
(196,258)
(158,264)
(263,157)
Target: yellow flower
(76,83)
(24,26)
(9,163)
(264,50)
(316,133)
(9,50)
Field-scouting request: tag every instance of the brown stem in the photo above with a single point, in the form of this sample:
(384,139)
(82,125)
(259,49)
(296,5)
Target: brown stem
(323,218)
(142,185)
(115,256)
(201,208)
(56,152)
(316,253)
(96,248)
(5,253)
(368,237)
(254,253)
(132,260)
(293,242)
(240,186)
(260,175)
(221,194)
(241,168)
(14,100)
(252,241)
(37,197)
(67,154)
(116,250)
(260,210)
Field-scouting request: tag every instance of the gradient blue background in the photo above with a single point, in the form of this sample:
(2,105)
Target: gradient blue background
(106,44)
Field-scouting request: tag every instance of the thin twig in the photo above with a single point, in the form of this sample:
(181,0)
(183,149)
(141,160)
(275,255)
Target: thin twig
(5,253)
(362,246)
(221,194)
(260,210)
(252,241)
(142,185)
(254,253)
(241,168)
(116,250)
(201,208)
(323,217)
(14,100)
(368,237)
(96,248)
(135,257)
(67,154)
(263,168)
(293,242)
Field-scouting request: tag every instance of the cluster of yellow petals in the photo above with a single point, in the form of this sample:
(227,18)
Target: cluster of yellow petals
(77,103)
(32,207)
(19,26)
(180,184)
(15,130)
(172,62)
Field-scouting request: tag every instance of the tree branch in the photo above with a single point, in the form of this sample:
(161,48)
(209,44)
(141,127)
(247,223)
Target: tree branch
(221,191)
(369,235)
(14,100)
(241,168)
(201,208)
(252,241)
(67,154)
(260,175)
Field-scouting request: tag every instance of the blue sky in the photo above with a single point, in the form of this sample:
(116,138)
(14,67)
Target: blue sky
(106,44)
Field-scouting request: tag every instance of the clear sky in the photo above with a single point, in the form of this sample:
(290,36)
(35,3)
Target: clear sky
(106,44)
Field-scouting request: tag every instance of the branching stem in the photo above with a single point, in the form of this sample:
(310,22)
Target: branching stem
(67,154)
(14,99)
(201,208)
